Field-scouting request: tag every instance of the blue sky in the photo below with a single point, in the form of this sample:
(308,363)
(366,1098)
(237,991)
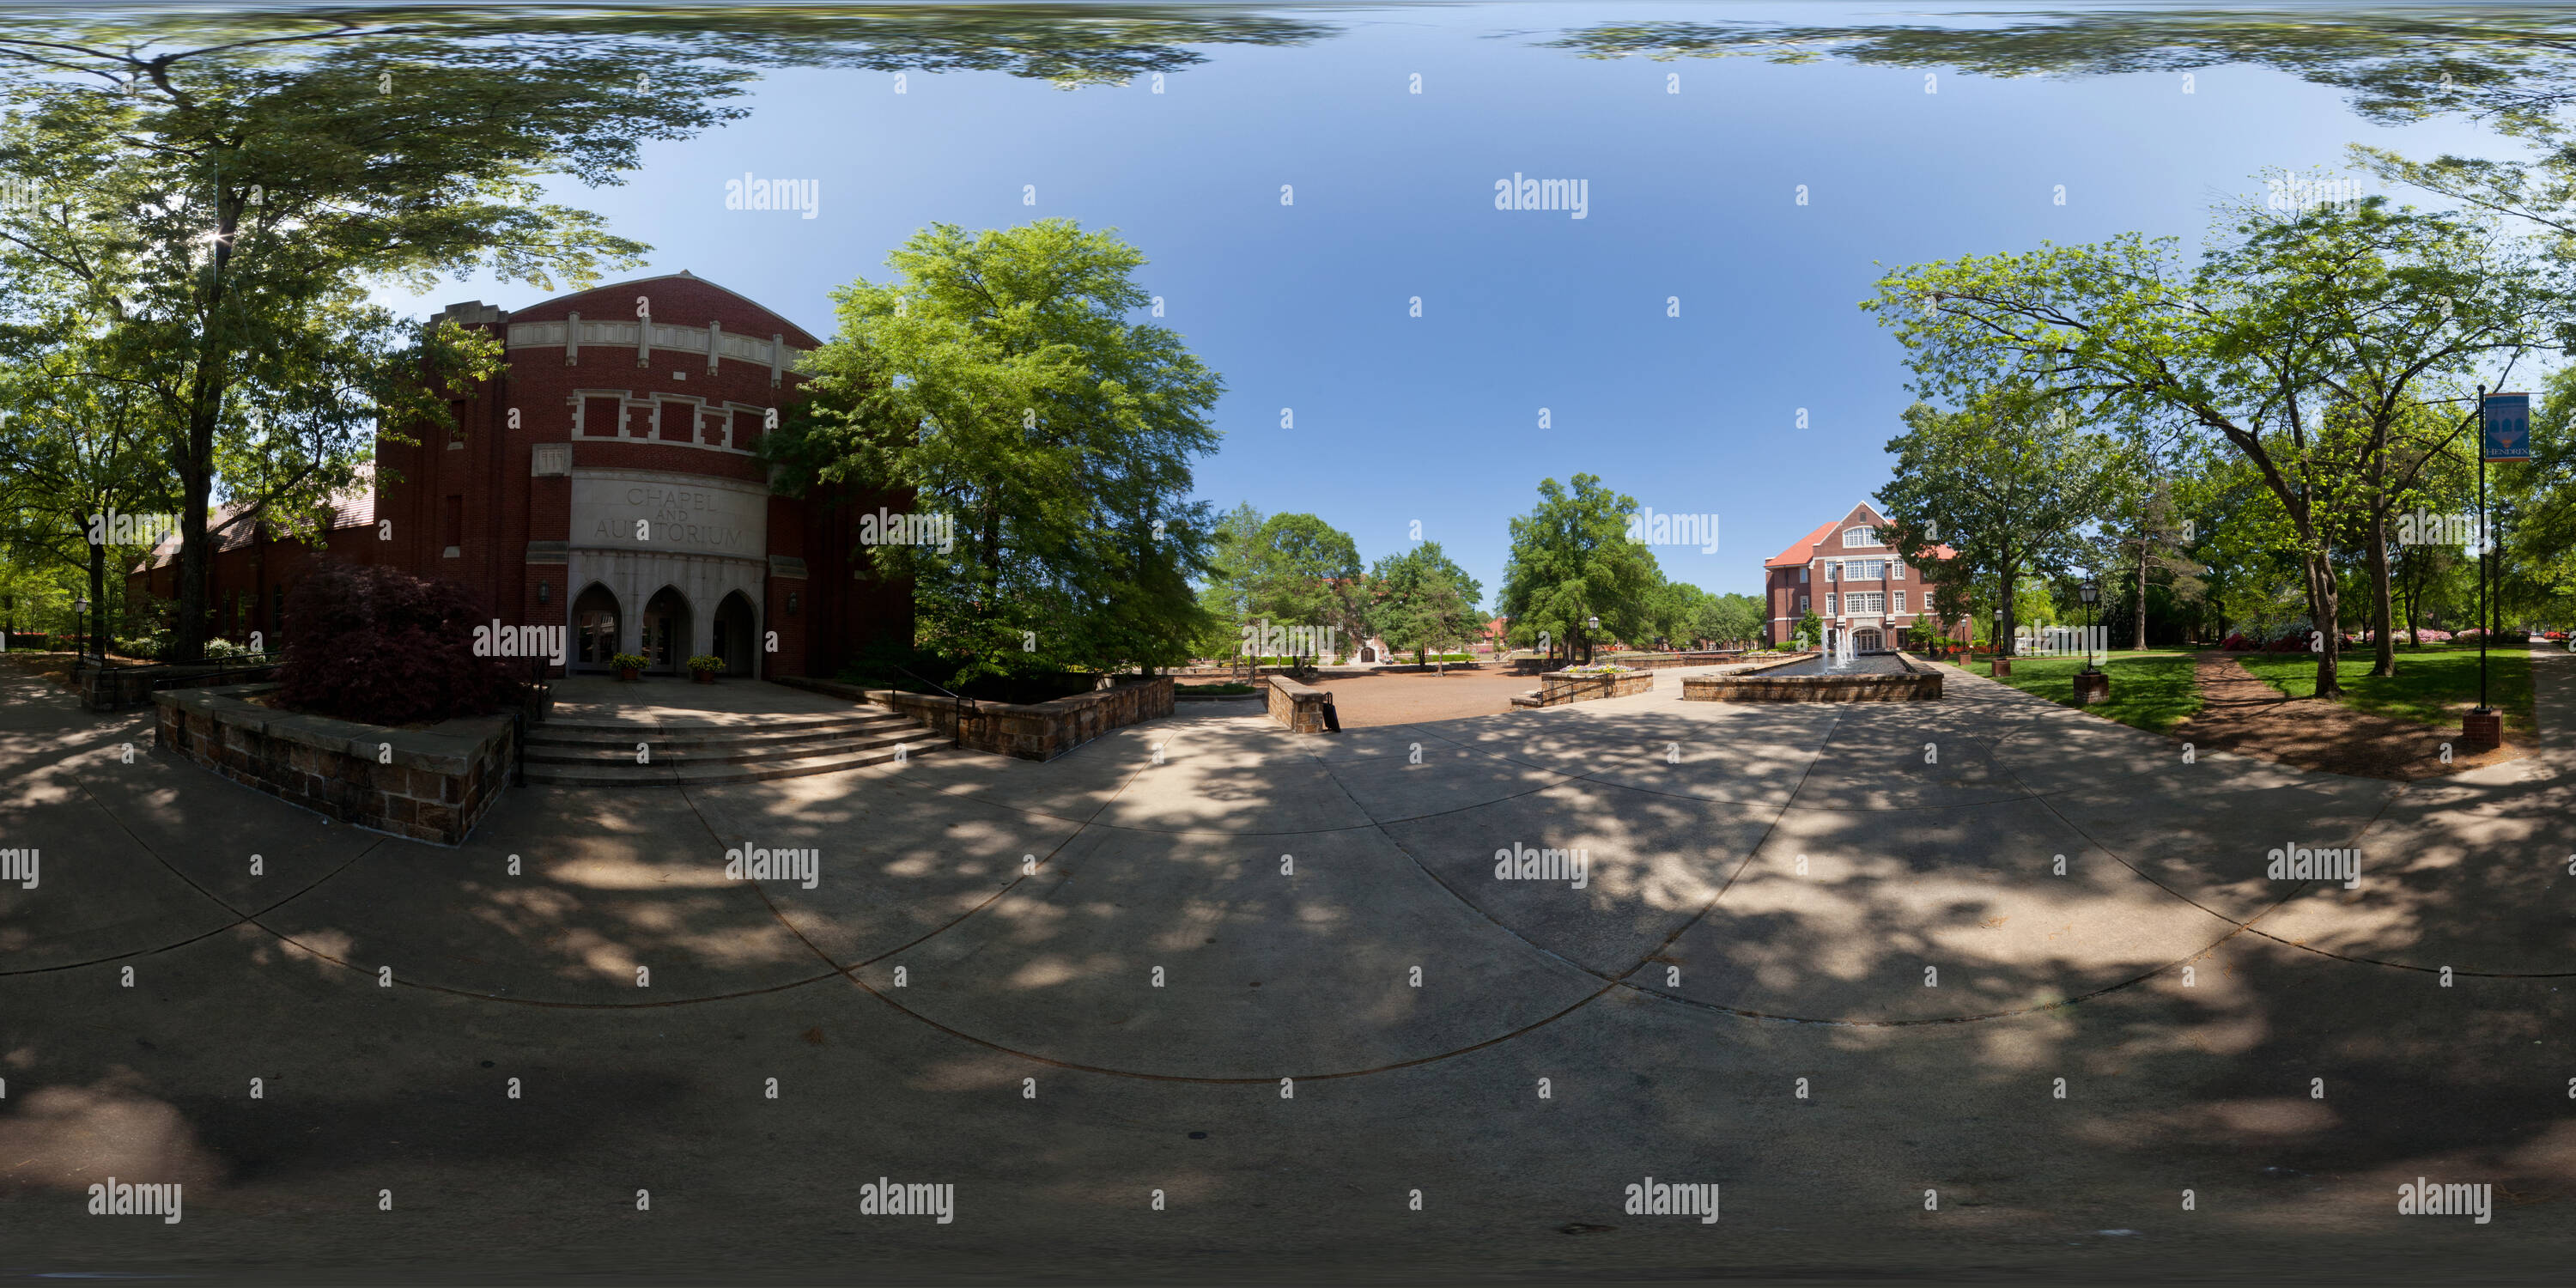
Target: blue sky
(1436,419)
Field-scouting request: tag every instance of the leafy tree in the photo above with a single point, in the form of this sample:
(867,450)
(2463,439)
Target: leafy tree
(1306,573)
(998,379)
(2009,482)
(1226,594)
(1571,561)
(1423,600)
(74,451)
(1810,632)
(1728,619)
(2304,341)
(2505,65)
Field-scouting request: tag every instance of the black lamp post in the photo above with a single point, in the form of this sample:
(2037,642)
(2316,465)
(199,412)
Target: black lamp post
(1591,627)
(80,639)
(2091,592)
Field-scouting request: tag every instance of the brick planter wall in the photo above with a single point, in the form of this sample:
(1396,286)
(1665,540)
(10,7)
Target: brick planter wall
(1921,683)
(1298,706)
(1030,731)
(1556,688)
(439,784)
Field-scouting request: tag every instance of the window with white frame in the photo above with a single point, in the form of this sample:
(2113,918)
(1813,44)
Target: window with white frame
(1896,601)
(1895,571)
(1829,603)
(1863,535)
(1862,602)
(1802,574)
(1833,570)
(1868,569)
(1802,605)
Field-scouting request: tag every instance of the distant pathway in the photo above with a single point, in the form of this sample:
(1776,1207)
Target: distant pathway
(2242,714)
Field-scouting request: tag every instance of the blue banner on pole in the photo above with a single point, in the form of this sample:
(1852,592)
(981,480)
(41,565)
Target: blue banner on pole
(2508,428)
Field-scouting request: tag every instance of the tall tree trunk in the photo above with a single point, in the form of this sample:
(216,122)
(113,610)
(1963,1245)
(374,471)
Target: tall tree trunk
(2004,626)
(2141,645)
(2325,617)
(196,562)
(2384,652)
(98,593)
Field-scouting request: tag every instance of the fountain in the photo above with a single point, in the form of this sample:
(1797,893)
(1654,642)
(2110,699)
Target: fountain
(1842,653)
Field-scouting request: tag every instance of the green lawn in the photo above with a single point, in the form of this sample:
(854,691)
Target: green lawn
(2433,684)
(2151,690)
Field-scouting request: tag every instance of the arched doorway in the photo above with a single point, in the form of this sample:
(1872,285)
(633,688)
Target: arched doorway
(594,627)
(665,642)
(1866,641)
(737,627)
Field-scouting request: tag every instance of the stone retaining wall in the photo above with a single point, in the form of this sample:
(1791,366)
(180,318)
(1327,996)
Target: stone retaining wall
(1031,731)
(430,784)
(1556,688)
(1920,683)
(1298,706)
(129,688)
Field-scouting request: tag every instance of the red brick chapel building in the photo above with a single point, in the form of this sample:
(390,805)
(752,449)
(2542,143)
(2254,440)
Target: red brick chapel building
(605,482)
(1853,581)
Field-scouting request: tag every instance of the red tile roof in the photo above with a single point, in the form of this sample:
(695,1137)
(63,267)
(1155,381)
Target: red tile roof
(1804,549)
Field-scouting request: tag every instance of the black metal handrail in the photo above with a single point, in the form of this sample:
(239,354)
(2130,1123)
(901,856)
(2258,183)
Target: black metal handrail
(531,708)
(956,714)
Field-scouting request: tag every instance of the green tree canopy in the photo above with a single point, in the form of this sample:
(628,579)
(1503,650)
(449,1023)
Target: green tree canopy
(997,377)
(2009,482)
(1571,561)
(1423,601)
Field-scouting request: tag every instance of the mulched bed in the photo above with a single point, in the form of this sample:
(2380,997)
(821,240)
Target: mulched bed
(2243,715)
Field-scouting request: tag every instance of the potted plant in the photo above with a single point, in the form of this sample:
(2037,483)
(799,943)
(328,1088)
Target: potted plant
(629,665)
(705,667)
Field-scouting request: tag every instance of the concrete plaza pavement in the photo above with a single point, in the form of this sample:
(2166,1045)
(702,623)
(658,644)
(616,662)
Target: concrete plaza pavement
(1860,901)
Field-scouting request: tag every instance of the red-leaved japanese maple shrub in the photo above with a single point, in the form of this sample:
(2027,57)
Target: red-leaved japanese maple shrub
(381,646)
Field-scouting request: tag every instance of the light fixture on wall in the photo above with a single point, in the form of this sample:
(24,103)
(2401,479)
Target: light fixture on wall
(545,592)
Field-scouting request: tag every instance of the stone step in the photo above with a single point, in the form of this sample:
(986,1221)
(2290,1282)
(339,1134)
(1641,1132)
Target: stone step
(583,725)
(722,752)
(680,775)
(548,735)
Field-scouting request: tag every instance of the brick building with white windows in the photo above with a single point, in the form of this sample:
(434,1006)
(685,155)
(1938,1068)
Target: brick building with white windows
(1851,580)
